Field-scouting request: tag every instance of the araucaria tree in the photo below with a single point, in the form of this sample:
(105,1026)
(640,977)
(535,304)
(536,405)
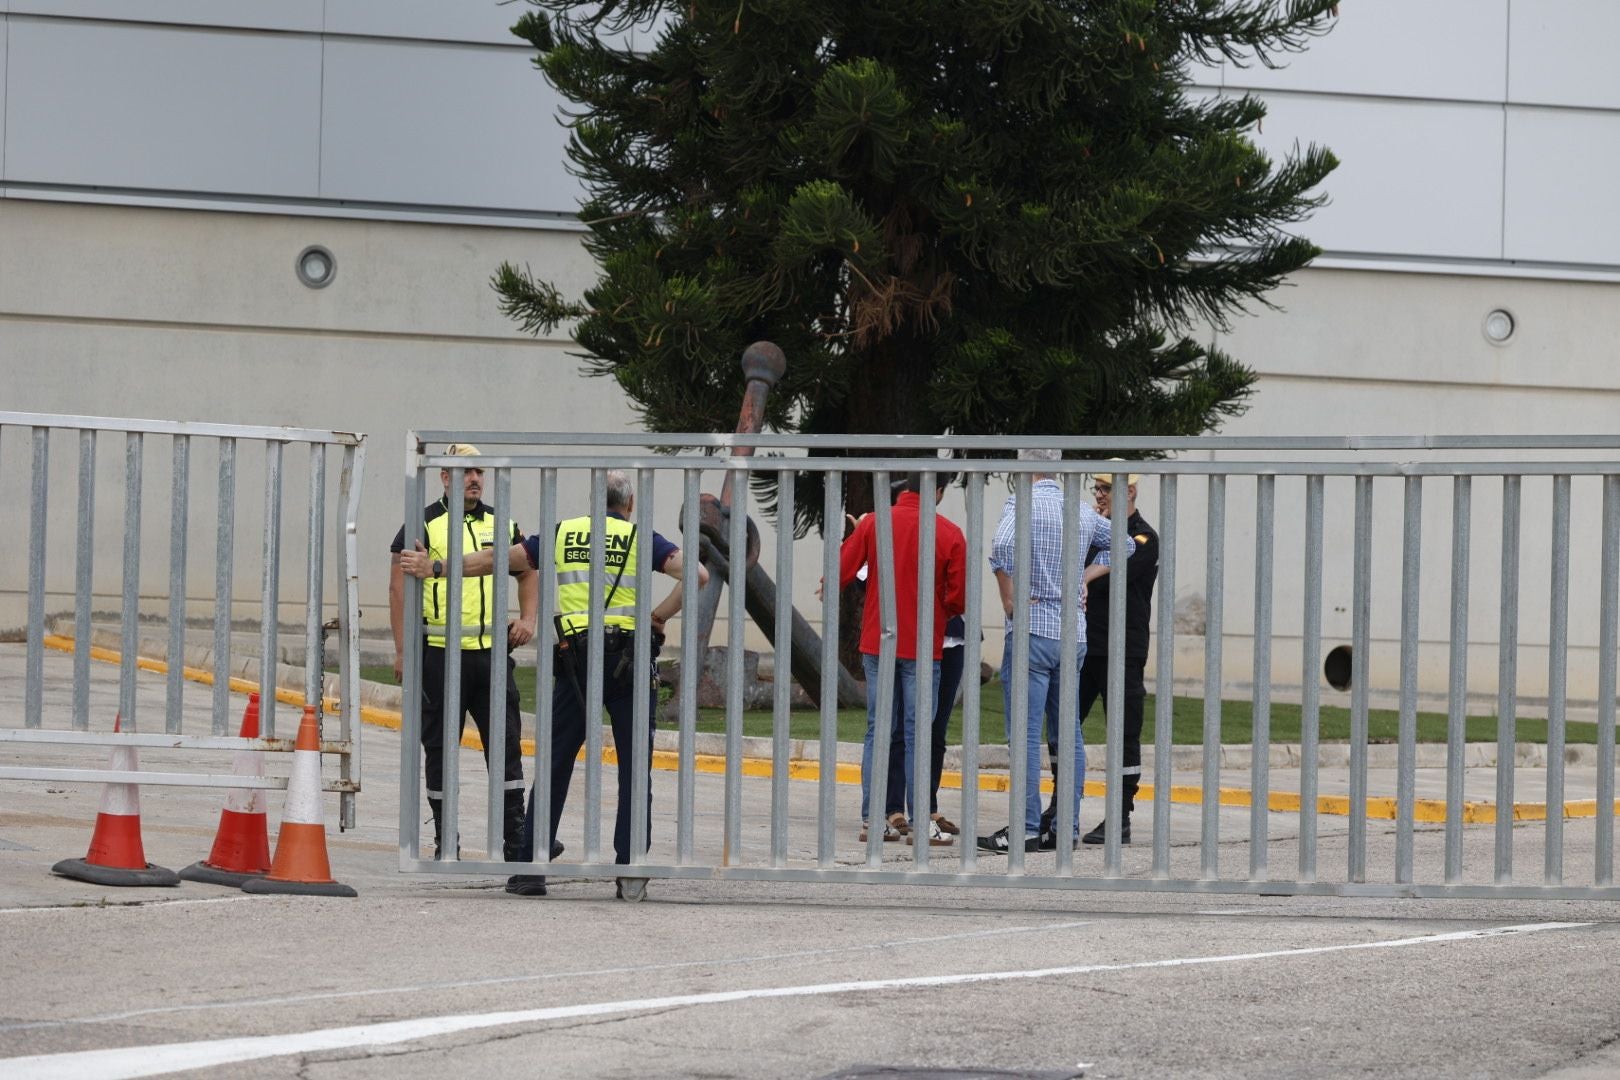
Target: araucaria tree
(968,216)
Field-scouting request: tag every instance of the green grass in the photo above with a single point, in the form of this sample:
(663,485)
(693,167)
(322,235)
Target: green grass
(1237,720)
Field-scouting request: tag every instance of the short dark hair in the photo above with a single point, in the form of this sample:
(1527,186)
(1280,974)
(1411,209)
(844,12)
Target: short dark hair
(942,480)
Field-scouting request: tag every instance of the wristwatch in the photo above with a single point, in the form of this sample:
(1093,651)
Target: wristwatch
(438,568)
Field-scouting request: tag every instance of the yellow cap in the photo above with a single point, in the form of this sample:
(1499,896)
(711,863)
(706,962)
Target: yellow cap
(1112,478)
(461,449)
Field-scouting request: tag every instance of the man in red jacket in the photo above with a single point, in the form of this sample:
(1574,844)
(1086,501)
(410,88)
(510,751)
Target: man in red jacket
(949,589)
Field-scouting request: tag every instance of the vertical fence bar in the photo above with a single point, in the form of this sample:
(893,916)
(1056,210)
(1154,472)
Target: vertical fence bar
(499,649)
(782,675)
(1609,600)
(596,650)
(314,580)
(412,719)
(224,566)
(972,649)
(832,517)
(1064,783)
(1457,693)
(348,547)
(736,625)
(1310,679)
(1406,751)
(691,664)
(1209,837)
(1557,681)
(1265,498)
(1018,718)
(179,495)
(1261,761)
(1507,679)
(268,607)
(451,711)
(882,720)
(34,670)
(1114,706)
(129,617)
(641,712)
(1164,678)
(926,690)
(1361,643)
(546,687)
(83,581)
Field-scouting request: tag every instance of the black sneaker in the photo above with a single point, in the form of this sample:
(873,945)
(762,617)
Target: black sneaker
(526,885)
(1099,835)
(998,843)
(1049,841)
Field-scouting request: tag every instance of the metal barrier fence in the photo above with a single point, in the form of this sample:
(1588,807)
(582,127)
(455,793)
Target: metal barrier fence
(35,731)
(762,837)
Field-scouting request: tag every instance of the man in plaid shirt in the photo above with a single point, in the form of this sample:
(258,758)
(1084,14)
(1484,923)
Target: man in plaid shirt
(1045,632)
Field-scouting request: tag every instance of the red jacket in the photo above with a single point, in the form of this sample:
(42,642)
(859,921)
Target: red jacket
(950,575)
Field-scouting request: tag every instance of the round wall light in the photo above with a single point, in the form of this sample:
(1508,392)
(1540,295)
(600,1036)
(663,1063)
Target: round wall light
(1499,326)
(316,266)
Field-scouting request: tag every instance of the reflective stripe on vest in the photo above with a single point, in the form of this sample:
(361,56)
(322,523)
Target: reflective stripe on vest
(477,593)
(572,557)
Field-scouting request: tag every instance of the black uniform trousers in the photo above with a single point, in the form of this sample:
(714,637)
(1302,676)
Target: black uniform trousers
(568,735)
(475,681)
(951,660)
(1094,687)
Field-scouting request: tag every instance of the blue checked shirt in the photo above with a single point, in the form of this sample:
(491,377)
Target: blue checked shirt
(1046,544)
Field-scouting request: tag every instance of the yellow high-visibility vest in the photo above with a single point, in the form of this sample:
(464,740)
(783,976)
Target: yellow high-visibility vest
(478,616)
(573,561)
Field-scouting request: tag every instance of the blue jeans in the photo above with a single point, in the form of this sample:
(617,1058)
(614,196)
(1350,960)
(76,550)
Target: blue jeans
(905,701)
(1045,675)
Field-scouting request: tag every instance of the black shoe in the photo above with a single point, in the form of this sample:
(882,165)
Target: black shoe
(998,843)
(1099,835)
(1049,841)
(556,849)
(526,885)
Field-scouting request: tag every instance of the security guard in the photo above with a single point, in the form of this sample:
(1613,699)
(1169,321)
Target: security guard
(478,623)
(570,555)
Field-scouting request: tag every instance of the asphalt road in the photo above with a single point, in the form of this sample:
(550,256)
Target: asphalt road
(434,975)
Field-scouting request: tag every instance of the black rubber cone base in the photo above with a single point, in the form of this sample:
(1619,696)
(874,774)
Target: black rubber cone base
(80,870)
(263,885)
(213,875)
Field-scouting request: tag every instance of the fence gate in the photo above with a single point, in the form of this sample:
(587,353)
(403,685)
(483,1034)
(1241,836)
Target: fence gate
(62,594)
(1400,565)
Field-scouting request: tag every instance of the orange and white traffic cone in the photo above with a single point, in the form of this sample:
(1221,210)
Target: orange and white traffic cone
(300,864)
(116,855)
(242,843)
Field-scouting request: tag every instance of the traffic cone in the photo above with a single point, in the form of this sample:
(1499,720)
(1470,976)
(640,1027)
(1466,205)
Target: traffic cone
(300,865)
(242,843)
(116,856)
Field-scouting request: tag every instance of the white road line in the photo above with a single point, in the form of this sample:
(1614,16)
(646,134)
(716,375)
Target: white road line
(126,1063)
(60,908)
(298,999)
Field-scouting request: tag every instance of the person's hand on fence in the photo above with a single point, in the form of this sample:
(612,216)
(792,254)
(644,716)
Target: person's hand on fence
(416,563)
(399,669)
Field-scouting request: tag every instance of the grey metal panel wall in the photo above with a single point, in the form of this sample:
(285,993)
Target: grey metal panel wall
(1442,49)
(249,14)
(163,108)
(446,125)
(482,21)
(1561,165)
(1417,177)
(1563,53)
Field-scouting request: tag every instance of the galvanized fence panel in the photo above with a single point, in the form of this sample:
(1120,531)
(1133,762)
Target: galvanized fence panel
(61,716)
(1355,802)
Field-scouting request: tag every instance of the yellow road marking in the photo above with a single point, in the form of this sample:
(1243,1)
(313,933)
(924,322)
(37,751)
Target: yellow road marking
(847,772)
